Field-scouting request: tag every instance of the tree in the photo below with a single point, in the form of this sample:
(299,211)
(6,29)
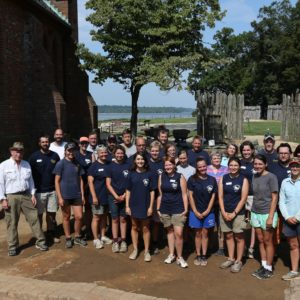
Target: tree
(147,41)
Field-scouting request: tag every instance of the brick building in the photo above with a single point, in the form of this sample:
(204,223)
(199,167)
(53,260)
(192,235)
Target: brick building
(41,84)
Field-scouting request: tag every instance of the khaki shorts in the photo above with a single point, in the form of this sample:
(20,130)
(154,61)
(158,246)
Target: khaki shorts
(175,220)
(237,225)
(46,201)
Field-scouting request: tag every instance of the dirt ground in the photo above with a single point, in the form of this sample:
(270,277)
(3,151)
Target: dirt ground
(155,278)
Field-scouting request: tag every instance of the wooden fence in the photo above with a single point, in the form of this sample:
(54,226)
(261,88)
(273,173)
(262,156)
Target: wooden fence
(254,112)
(290,126)
(220,116)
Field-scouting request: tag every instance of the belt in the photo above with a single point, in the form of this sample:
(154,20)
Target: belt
(20,193)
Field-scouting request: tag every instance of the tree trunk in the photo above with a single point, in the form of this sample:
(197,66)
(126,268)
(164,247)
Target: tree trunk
(135,92)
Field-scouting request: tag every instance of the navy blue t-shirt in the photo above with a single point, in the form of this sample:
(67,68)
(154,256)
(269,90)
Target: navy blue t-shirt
(247,169)
(85,162)
(70,173)
(272,158)
(171,200)
(118,173)
(140,185)
(280,171)
(203,190)
(42,166)
(232,192)
(192,157)
(98,171)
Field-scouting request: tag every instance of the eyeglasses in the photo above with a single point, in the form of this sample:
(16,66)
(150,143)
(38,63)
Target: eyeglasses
(141,145)
(284,153)
(83,143)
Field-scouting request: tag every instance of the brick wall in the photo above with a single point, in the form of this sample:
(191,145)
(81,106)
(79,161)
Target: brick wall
(41,85)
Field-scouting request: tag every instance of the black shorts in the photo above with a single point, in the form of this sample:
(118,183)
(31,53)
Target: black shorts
(73,202)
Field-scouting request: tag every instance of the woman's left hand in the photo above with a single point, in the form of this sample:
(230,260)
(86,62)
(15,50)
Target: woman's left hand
(149,212)
(184,213)
(269,222)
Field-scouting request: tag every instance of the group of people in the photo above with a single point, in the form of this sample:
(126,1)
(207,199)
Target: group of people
(144,186)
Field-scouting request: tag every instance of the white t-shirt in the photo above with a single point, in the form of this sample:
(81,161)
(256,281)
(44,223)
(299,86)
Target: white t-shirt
(187,171)
(59,149)
(129,150)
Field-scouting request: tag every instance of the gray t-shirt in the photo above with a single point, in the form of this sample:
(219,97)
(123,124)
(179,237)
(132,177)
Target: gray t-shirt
(263,187)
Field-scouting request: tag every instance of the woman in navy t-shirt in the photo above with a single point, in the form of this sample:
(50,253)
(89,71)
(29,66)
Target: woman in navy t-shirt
(139,202)
(172,206)
(233,191)
(69,190)
(99,197)
(247,169)
(202,192)
(156,165)
(116,181)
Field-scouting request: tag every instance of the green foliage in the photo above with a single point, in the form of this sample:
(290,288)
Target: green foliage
(145,41)
(263,63)
(260,128)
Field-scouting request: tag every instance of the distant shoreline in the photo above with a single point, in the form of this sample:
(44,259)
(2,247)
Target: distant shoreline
(118,109)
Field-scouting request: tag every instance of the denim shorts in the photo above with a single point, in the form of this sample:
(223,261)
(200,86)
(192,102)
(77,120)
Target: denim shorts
(207,222)
(116,209)
(291,230)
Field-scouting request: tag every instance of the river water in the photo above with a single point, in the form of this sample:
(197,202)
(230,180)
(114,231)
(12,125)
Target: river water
(147,116)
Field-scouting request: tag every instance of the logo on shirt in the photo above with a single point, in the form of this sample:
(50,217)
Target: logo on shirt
(87,161)
(253,171)
(209,188)
(159,171)
(53,161)
(236,188)
(174,184)
(146,181)
(100,170)
(39,160)
(125,173)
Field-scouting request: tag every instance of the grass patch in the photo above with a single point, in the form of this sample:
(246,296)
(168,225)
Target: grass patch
(261,127)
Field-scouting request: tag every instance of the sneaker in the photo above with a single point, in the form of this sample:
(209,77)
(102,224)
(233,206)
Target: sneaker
(80,241)
(236,267)
(250,253)
(220,252)
(12,252)
(290,275)
(181,262)
(115,247)
(134,254)
(147,256)
(170,259)
(123,247)
(98,244)
(155,250)
(197,260)
(226,264)
(265,274)
(53,237)
(69,243)
(203,262)
(42,247)
(258,271)
(106,240)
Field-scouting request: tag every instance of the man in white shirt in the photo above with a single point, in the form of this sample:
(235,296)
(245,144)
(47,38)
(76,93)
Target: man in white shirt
(58,145)
(17,193)
(130,148)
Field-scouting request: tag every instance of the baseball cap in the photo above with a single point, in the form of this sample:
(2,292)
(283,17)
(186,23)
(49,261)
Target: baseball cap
(83,139)
(269,136)
(70,146)
(112,138)
(295,160)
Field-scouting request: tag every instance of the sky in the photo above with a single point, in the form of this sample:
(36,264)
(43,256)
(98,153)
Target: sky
(240,13)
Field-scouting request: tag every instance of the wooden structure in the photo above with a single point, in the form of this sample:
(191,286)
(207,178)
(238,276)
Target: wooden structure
(290,126)
(220,116)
